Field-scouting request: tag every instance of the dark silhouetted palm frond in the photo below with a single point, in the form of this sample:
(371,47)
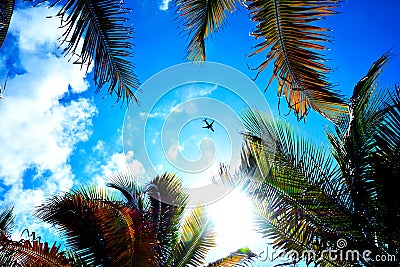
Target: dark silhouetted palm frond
(6,11)
(6,220)
(96,31)
(386,166)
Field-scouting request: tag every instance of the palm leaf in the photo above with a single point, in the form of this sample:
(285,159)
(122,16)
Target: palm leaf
(200,18)
(130,188)
(6,11)
(241,257)
(354,143)
(106,43)
(286,28)
(6,224)
(196,239)
(167,201)
(33,252)
(297,193)
(98,229)
(386,169)
(6,220)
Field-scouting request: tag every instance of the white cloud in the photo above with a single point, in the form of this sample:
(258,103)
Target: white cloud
(194,91)
(174,150)
(99,146)
(118,163)
(37,130)
(164,4)
(33,37)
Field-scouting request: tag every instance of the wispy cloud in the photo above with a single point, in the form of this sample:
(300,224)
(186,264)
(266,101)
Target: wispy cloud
(37,130)
(198,90)
(117,163)
(164,5)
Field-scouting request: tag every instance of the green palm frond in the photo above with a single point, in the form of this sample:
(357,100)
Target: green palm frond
(297,193)
(106,43)
(354,144)
(200,18)
(386,166)
(241,257)
(97,228)
(287,29)
(197,237)
(6,11)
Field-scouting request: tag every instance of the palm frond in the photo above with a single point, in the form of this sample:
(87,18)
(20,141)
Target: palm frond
(353,143)
(197,237)
(33,252)
(200,18)
(167,202)
(241,257)
(99,229)
(297,192)
(106,43)
(167,188)
(7,220)
(6,11)
(386,167)
(286,27)
(130,188)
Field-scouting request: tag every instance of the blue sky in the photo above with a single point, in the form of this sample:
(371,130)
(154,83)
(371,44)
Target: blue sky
(57,134)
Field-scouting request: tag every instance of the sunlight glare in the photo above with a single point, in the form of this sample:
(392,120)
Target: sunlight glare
(233,217)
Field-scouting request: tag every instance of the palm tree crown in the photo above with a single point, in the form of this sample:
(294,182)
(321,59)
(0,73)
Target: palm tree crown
(309,199)
(103,229)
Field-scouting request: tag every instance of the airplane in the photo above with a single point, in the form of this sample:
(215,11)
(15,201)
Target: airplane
(209,125)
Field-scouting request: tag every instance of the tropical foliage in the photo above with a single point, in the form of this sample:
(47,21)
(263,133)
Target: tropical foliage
(30,251)
(6,10)
(312,199)
(95,32)
(287,28)
(137,226)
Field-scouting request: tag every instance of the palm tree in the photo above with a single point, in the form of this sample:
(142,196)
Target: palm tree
(31,251)
(94,32)
(147,226)
(287,29)
(344,199)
